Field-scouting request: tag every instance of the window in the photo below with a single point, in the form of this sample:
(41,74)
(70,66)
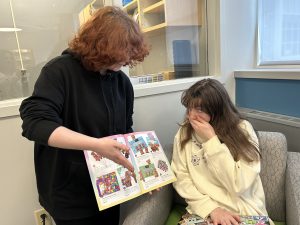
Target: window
(32,33)
(279,32)
(176,33)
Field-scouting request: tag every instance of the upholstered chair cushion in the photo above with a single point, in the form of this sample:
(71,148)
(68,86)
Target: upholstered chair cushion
(148,209)
(292,187)
(280,174)
(273,166)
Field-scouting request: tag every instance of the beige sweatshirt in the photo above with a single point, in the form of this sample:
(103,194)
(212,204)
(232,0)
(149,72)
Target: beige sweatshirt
(208,177)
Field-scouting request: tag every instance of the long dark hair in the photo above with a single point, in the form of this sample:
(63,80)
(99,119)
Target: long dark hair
(214,100)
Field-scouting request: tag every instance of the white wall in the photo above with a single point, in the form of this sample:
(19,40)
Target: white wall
(18,193)
(158,112)
(237,39)
(18,190)
(161,113)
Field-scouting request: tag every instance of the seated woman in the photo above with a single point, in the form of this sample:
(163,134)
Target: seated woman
(216,157)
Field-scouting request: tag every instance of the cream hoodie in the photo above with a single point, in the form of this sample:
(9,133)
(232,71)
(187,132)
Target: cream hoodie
(208,177)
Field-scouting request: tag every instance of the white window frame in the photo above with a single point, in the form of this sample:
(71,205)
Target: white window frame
(283,62)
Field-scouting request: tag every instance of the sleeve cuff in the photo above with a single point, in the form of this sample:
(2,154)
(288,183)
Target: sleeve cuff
(43,130)
(212,146)
(203,211)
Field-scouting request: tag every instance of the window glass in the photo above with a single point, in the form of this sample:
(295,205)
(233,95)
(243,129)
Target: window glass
(279,32)
(43,29)
(34,31)
(176,31)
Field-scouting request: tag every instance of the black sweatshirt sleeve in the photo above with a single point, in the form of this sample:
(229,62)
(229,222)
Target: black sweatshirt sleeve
(129,106)
(41,113)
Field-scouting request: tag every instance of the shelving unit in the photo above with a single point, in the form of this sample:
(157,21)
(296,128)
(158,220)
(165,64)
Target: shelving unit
(155,27)
(152,15)
(164,21)
(131,6)
(86,13)
(155,8)
(157,14)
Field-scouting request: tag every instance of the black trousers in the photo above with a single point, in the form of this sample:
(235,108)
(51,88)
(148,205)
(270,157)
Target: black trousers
(108,216)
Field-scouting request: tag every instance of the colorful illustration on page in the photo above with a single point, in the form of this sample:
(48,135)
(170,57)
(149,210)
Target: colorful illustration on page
(107,184)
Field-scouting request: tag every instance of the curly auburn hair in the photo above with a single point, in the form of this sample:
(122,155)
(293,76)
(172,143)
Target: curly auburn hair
(109,37)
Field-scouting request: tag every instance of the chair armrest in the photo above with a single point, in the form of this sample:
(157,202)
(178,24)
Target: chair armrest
(148,209)
(293,189)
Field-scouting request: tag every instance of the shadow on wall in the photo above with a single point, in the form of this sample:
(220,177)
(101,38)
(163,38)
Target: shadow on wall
(161,113)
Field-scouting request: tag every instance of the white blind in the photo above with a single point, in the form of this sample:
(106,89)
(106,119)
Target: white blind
(279,32)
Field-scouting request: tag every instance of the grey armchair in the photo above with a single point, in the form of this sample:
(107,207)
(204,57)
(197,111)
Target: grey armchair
(280,177)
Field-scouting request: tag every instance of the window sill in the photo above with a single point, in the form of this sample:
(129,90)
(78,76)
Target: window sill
(9,108)
(162,87)
(283,74)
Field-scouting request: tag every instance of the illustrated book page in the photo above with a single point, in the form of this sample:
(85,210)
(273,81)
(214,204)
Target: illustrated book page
(114,184)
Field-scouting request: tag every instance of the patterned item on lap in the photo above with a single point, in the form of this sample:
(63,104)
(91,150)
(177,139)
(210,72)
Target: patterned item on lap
(188,219)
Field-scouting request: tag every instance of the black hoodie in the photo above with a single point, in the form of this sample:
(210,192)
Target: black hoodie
(66,94)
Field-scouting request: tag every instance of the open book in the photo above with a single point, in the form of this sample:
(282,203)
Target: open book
(114,184)
(189,219)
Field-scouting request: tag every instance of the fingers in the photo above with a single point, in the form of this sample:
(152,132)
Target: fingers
(112,149)
(124,162)
(121,146)
(121,159)
(195,123)
(151,192)
(196,118)
(236,217)
(224,217)
(200,119)
(233,221)
(230,219)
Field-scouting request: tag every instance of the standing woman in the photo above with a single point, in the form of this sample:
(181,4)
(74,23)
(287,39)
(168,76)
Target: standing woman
(216,157)
(80,98)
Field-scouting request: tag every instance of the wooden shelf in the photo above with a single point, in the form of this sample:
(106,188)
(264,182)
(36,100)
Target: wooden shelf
(131,6)
(163,21)
(155,8)
(156,27)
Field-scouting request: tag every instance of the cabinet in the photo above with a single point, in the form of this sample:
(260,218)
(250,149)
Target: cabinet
(163,22)
(153,15)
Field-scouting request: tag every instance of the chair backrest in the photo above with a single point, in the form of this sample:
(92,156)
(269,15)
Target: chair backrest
(273,149)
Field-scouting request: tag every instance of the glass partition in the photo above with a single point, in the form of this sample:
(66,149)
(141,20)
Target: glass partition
(34,31)
(176,31)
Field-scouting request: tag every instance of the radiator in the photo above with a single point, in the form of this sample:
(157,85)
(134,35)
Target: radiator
(266,121)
